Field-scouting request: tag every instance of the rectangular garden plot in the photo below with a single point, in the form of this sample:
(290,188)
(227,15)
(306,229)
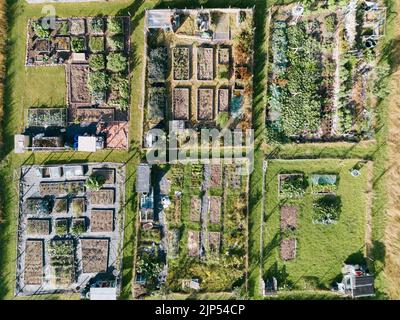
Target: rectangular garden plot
(223,55)
(47,117)
(181,103)
(181,63)
(324,183)
(215,209)
(61,188)
(289,217)
(33,271)
(62,262)
(288,249)
(38,227)
(78,206)
(94,255)
(60,206)
(195,209)
(215,176)
(102,220)
(205,63)
(214,241)
(37,206)
(60,212)
(102,197)
(92,114)
(173,242)
(108,174)
(193,243)
(205,104)
(328,226)
(78,84)
(292,185)
(223,100)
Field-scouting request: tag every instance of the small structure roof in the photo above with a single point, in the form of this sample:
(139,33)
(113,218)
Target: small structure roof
(20,143)
(87,144)
(103,294)
(356,282)
(143,178)
(159,19)
(78,57)
(55,172)
(73,171)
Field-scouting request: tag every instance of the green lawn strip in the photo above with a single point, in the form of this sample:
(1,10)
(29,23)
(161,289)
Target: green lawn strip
(388,56)
(321,249)
(45,86)
(344,150)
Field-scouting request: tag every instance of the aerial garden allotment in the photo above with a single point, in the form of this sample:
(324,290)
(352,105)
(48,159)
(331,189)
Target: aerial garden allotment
(195,228)
(322,75)
(95,53)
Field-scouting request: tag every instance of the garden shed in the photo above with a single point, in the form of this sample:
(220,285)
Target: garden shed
(87,144)
(143,178)
(356,282)
(103,293)
(21,142)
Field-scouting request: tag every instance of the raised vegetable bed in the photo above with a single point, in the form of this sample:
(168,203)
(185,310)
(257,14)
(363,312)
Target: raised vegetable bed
(180,103)
(181,63)
(205,104)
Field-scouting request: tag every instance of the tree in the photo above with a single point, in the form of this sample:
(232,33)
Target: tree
(95,182)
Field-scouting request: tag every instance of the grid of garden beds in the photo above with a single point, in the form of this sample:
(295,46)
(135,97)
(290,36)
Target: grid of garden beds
(203,82)
(69,226)
(205,229)
(96,51)
(315,220)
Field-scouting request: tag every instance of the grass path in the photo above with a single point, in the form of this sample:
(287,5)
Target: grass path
(391,236)
(3,36)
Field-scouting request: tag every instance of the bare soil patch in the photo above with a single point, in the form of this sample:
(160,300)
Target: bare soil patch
(288,249)
(195,209)
(205,104)
(193,243)
(102,220)
(215,209)
(78,82)
(180,103)
(205,63)
(94,255)
(289,217)
(33,273)
(38,227)
(214,241)
(102,197)
(60,206)
(223,100)
(92,114)
(216,176)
